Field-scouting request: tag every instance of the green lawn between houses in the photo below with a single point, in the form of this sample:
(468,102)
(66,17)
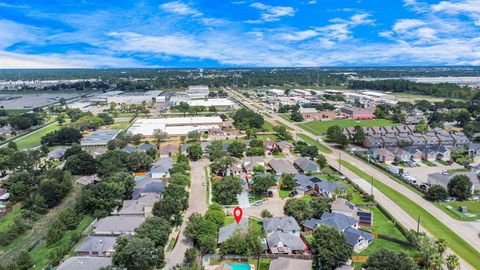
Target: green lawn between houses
(451,208)
(320,127)
(429,222)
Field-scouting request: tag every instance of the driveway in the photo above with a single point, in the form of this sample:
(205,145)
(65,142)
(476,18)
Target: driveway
(197,203)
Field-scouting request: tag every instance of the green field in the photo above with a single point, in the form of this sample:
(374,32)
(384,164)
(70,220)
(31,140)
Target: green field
(320,127)
(282,124)
(429,222)
(473,208)
(311,141)
(33,139)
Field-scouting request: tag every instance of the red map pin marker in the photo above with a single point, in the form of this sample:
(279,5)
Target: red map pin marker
(237,214)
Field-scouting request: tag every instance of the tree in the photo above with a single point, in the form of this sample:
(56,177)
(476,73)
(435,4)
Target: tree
(436,193)
(236,149)
(333,133)
(107,118)
(215,150)
(226,190)
(255,152)
(342,141)
(463,117)
(243,243)
(215,216)
(261,183)
(359,135)
(194,136)
(266,214)
(195,152)
(24,261)
(61,118)
(155,229)
(207,243)
(256,143)
(74,150)
(136,253)
(296,116)
(65,135)
(220,166)
(452,262)
(190,256)
(329,248)
(81,164)
(244,119)
(386,259)
(321,161)
(282,133)
(460,186)
(319,205)
(183,107)
(258,169)
(422,127)
(160,136)
(310,151)
(288,182)
(299,209)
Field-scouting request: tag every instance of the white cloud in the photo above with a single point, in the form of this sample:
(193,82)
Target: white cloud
(298,35)
(468,7)
(341,29)
(180,8)
(407,24)
(12,32)
(272,13)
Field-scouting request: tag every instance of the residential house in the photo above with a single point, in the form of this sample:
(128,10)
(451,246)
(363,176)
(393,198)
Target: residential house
(417,139)
(168,150)
(390,130)
(98,151)
(4,195)
(161,168)
(383,155)
(379,130)
(429,153)
(404,139)
(356,238)
(97,246)
(184,148)
(400,154)
(342,206)
(87,179)
(306,165)
(415,153)
(141,206)
(350,132)
(281,166)
(459,139)
(443,153)
(313,185)
(129,149)
(144,147)
(82,263)
(443,180)
(225,232)
(117,225)
(147,186)
(445,138)
(403,129)
(368,131)
(285,146)
(250,162)
(373,141)
(283,235)
(474,149)
(431,139)
(56,154)
(389,140)
(270,146)
(412,128)
(286,263)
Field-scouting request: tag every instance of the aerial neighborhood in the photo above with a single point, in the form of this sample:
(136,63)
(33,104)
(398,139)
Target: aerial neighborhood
(324,179)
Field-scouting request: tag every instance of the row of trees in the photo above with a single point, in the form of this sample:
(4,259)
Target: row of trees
(460,187)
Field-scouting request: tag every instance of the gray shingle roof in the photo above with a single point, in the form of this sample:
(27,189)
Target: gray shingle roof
(306,165)
(82,263)
(288,240)
(283,263)
(98,244)
(117,224)
(280,223)
(353,235)
(282,166)
(162,166)
(146,146)
(226,232)
(335,220)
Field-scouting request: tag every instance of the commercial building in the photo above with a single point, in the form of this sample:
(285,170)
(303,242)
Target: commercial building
(100,138)
(198,91)
(222,103)
(177,126)
(358,114)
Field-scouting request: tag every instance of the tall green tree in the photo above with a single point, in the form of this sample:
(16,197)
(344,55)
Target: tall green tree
(386,259)
(329,248)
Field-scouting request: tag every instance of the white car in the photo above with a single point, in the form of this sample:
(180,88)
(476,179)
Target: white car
(204,184)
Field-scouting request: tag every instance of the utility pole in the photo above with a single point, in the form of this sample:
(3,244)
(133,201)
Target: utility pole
(371,191)
(418,224)
(339,163)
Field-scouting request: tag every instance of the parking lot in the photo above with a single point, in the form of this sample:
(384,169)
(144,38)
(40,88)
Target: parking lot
(422,170)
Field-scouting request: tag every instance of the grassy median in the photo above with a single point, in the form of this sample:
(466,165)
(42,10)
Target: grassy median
(321,147)
(429,222)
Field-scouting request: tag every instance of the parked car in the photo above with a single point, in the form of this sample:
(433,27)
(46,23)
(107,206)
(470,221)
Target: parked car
(411,164)
(423,187)
(444,172)
(258,203)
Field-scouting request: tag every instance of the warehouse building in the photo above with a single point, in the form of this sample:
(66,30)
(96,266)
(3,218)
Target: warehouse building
(221,103)
(177,126)
(198,91)
(100,138)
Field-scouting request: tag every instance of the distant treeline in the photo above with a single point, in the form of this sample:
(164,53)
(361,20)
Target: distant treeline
(439,90)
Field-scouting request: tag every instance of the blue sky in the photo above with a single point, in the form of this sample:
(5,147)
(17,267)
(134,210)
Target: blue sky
(223,33)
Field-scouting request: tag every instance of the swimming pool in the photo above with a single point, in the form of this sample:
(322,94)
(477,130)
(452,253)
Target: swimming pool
(239,266)
(139,178)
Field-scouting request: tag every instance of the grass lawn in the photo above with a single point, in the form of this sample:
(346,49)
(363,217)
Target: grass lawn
(16,111)
(40,252)
(9,218)
(383,225)
(264,264)
(311,141)
(382,243)
(322,126)
(284,193)
(458,170)
(428,163)
(443,162)
(279,155)
(307,198)
(286,116)
(33,139)
(282,124)
(171,244)
(429,222)
(451,208)
(267,126)
(269,137)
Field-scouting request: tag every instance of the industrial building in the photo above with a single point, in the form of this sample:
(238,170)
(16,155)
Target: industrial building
(222,103)
(198,91)
(100,138)
(177,126)
(119,97)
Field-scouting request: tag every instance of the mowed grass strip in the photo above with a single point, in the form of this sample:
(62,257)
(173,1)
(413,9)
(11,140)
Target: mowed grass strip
(34,139)
(282,124)
(311,141)
(429,222)
(322,126)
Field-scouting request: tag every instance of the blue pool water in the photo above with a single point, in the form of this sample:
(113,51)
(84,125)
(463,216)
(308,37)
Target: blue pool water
(239,266)
(139,178)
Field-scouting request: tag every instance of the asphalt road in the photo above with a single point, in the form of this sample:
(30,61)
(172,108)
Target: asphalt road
(197,203)
(466,231)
